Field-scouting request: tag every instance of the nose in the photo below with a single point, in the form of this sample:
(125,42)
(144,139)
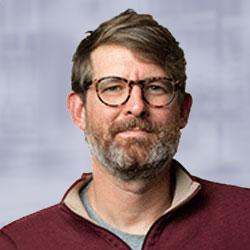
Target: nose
(135,105)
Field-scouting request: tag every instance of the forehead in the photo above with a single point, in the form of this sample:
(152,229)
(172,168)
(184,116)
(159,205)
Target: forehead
(115,60)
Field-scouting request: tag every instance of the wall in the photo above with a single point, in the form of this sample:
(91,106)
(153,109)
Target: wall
(41,150)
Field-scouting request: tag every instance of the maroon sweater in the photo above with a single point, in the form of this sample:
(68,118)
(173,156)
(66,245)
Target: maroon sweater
(215,217)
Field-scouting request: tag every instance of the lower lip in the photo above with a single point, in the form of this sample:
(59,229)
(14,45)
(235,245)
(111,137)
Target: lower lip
(133,133)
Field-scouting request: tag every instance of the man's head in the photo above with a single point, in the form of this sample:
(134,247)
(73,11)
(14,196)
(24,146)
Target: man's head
(141,34)
(137,137)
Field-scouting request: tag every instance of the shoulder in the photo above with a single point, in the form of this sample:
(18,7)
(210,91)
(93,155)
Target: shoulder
(223,192)
(29,225)
(216,217)
(56,227)
(39,217)
(224,202)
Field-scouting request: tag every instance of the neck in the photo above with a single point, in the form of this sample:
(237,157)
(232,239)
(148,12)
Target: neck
(130,206)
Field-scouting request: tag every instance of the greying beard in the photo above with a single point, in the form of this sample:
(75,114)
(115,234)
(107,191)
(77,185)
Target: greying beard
(119,163)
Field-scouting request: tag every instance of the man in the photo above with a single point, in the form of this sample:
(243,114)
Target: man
(128,96)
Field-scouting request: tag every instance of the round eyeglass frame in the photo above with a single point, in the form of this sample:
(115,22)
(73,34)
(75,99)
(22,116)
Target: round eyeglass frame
(176,86)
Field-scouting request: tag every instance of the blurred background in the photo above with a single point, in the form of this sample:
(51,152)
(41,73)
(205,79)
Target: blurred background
(42,152)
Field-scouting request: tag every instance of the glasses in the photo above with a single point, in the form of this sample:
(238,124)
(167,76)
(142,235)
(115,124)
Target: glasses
(156,91)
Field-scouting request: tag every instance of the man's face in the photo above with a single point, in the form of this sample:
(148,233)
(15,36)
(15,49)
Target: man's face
(134,140)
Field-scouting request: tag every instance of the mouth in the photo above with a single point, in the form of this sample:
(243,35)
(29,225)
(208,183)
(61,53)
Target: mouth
(134,132)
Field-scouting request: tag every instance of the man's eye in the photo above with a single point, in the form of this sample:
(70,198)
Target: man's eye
(156,89)
(113,88)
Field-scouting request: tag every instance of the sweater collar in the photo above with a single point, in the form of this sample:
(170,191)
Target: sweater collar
(185,189)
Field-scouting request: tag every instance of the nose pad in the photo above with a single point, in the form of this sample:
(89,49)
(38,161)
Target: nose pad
(136,105)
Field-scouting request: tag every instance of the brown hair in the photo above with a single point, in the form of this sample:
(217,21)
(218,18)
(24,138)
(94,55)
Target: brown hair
(139,33)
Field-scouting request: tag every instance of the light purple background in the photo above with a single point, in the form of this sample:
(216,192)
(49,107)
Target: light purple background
(42,152)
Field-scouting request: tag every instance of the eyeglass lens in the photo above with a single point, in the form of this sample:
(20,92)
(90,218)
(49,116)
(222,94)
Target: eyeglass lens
(116,90)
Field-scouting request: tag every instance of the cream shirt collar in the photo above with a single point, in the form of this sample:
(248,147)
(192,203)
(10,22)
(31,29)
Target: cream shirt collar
(185,189)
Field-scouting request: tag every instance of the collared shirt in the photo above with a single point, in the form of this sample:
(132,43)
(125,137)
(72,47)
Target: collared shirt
(185,188)
(216,216)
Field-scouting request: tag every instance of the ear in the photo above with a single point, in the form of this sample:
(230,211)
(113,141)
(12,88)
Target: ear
(185,109)
(76,108)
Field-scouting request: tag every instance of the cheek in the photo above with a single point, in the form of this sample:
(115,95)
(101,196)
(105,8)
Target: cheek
(161,115)
(99,117)
(166,115)
(105,116)
(99,109)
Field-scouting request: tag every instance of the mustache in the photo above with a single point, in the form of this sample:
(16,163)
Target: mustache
(143,125)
